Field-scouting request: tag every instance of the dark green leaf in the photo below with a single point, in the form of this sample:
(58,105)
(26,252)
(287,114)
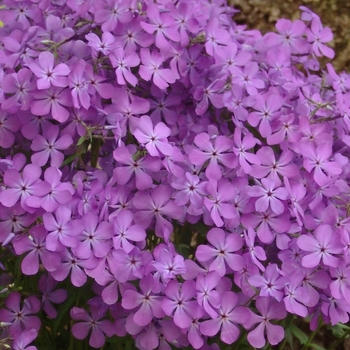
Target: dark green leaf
(81,140)
(317,347)
(299,334)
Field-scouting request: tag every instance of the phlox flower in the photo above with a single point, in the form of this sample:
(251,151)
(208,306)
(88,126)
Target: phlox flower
(267,109)
(318,36)
(229,314)
(122,61)
(71,263)
(61,192)
(49,145)
(22,341)
(207,296)
(99,328)
(271,284)
(141,168)
(22,186)
(221,251)
(217,201)
(62,230)
(216,150)
(35,244)
(316,159)
(105,45)
(156,204)
(270,309)
(178,299)
(290,36)
(269,195)
(154,139)
(112,12)
(150,304)
(52,100)
(168,264)
(49,295)
(20,317)
(321,246)
(47,74)
(95,237)
(151,67)
(161,25)
(125,232)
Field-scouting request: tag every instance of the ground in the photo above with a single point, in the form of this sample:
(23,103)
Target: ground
(263,14)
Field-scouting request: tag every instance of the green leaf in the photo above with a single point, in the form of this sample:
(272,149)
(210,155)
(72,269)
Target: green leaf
(339,330)
(299,334)
(63,310)
(289,337)
(317,347)
(69,159)
(81,140)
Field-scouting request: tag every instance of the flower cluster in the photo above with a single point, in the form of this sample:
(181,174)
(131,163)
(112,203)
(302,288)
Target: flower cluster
(192,173)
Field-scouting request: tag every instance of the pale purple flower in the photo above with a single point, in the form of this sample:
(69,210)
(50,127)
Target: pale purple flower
(178,299)
(229,315)
(318,36)
(270,309)
(269,196)
(216,150)
(154,139)
(34,242)
(62,230)
(161,25)
(321,246)
(207,296)
(99,328)
(217,201)
(221,253)
(122,61)
(20,317)
(150,304)
(22,186)
(271,283)
(125,232)
(49,295)
(47,74)
(152,68)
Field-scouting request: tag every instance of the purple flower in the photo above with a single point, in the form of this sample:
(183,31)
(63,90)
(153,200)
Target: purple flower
(20,317)
(219,194)
(21,187)
(35,244)
(47,74)
(46,286)
(99,328)
(122,61)
(229,315)
(271,284)
(317,36)
(162,25)
(207,296)
(321,246)
(270,309)
(125,232)
(95,238)
(150,304)
(178,299)
(22,341)
(221,251)
(154,139)
(270,196)
(151,67)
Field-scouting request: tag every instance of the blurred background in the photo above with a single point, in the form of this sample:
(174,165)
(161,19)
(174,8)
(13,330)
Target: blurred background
(263,14)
